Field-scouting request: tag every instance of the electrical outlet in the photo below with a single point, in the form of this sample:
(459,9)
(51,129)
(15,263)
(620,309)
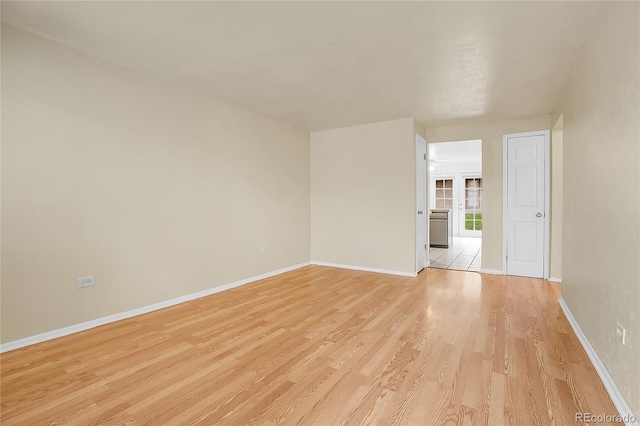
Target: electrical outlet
(358,246)
(621,333)
(369,246)
(265,249)
(86,281)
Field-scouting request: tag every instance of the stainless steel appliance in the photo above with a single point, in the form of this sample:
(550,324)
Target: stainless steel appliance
(440,228)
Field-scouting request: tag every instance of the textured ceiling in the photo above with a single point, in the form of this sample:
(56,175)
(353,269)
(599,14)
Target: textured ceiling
(320,65)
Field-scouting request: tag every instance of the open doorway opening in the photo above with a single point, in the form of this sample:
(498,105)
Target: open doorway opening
(455,205)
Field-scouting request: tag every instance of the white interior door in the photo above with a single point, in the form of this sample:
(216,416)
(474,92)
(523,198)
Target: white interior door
(421,204)
(526,204)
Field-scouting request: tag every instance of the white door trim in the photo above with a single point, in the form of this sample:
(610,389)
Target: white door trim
(547,199)
(421,148)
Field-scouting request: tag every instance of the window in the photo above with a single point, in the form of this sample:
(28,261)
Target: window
(444,193)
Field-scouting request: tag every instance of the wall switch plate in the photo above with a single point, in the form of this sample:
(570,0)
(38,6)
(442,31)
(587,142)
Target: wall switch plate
(358,245)
(265,249)
(621,333)
(369,246)
(86,281)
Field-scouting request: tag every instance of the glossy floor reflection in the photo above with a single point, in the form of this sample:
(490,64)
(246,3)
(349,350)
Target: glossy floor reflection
(320,346)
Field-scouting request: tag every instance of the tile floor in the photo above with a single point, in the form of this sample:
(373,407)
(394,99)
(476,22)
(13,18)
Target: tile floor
(464,255)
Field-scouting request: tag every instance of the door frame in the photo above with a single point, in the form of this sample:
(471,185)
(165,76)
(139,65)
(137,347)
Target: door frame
(547,198)
(421,149)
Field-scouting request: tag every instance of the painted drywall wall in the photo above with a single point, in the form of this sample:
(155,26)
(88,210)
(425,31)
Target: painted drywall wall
(418,128)
(156,191)
(601,227)
(363,190)
(555,236)
(491,135)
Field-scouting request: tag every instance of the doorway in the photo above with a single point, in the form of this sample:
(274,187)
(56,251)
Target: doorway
(455,185)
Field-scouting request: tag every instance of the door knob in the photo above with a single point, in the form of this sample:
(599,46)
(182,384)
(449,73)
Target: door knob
(538,214)
(419,211)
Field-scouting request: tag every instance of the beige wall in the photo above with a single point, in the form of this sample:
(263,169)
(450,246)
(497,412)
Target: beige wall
(363,190)
(555,236)
(491,135)
(158,192)
(601,276)
(418,128)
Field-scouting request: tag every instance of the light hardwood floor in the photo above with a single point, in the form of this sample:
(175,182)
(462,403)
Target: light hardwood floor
(320,346)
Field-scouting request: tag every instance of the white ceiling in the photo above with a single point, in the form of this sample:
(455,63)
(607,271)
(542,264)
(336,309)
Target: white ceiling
(320,65)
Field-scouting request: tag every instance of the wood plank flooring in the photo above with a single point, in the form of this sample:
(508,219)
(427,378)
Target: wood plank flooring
(320,346)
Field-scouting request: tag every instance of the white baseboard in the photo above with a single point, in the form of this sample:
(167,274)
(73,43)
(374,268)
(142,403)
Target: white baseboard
(365,269)
(609,384)
(555,280)
(491,271)
(42,337)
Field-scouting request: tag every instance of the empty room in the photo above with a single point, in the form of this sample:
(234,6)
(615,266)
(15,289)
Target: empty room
(224,213)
